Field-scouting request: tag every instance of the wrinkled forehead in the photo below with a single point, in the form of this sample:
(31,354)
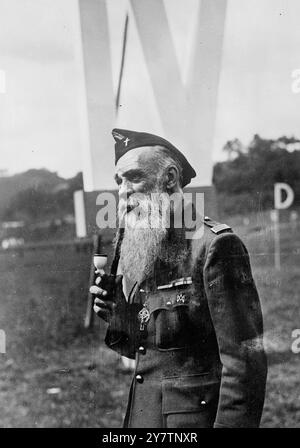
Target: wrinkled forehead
(135,158)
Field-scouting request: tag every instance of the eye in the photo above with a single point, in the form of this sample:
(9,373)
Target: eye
(136,179)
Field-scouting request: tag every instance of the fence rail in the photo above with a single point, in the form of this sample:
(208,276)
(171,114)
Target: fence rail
(82,243)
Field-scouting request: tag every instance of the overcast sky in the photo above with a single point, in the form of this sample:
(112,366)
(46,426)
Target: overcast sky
(40,111)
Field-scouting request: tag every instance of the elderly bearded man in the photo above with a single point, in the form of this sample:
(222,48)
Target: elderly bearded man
(187,310)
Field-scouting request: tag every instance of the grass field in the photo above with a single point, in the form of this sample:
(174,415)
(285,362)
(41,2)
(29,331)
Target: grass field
(56,374)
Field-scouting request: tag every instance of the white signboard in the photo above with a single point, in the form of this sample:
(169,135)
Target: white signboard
(280,204)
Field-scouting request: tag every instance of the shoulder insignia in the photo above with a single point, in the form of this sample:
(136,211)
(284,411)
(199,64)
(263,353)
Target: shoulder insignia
(215,226)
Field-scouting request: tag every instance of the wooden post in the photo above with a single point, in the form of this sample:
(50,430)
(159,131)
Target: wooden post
(276,239)
(2,341)
(274,214)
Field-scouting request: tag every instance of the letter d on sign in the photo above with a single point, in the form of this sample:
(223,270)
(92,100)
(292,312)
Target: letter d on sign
(279,204)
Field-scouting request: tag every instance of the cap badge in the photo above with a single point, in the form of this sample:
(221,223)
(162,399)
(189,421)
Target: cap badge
(126,141)
(118,136)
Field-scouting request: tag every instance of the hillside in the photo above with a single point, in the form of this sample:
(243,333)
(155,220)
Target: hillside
(36,190)
(35,179)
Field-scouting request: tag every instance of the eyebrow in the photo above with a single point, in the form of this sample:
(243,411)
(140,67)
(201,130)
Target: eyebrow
(130,174)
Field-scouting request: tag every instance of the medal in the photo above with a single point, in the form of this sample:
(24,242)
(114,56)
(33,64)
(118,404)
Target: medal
(143,316)
(180,298)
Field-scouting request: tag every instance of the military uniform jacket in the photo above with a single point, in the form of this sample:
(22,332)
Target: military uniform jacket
(196,336)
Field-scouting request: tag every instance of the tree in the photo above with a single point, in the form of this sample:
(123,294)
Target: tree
(233,148)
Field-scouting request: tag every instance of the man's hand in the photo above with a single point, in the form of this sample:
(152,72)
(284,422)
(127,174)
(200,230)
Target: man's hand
(103,305)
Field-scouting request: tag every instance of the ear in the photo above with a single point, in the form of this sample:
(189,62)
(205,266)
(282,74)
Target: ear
(172,177)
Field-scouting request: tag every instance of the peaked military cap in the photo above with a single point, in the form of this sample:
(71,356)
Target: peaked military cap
(127,140)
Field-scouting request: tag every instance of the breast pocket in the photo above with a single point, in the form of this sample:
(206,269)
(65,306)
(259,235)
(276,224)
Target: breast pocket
(190,401)
(171,328)
(176,319)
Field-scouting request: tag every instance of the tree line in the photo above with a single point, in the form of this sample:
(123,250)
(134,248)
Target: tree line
(245,182)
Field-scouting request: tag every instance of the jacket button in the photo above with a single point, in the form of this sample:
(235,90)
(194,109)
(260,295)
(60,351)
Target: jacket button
(169,303)
(139,378)
(203,402)
(142,350)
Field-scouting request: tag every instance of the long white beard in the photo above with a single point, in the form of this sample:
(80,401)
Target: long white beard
(147,238)
(143,236)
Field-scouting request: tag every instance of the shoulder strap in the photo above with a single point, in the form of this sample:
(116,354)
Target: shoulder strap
(215,226)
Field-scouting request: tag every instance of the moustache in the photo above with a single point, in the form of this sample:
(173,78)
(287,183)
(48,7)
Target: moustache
(154,205)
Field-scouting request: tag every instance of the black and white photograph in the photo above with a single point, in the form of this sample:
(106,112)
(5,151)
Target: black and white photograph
(149,216)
